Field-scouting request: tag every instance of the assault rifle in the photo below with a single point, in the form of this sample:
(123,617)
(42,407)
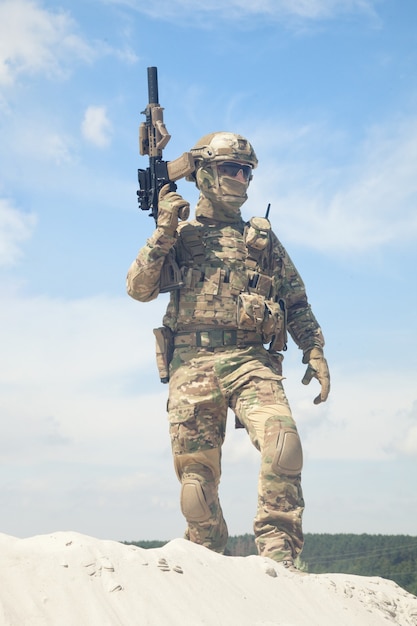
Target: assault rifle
(153,137)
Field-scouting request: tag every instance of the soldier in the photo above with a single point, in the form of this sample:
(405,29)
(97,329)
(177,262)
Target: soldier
(223,335)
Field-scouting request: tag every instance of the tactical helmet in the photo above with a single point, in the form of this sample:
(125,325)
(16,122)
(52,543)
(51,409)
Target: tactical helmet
(224,146)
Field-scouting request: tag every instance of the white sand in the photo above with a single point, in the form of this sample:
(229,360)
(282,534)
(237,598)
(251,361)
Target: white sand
(69,579)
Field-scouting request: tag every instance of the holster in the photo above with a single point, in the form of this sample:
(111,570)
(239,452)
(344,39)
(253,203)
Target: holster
(164,351)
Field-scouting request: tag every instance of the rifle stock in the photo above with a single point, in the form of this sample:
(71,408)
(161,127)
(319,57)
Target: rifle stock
(182,166)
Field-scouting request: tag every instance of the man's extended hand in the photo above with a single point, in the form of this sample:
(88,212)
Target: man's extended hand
(317,368)
(171,207)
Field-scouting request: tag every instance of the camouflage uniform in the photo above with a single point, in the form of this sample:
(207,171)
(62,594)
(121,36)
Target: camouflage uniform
(241,291)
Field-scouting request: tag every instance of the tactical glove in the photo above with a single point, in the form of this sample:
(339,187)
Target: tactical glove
(171,206)
(317,368)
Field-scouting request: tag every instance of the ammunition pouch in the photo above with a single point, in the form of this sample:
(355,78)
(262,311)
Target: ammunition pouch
(267,317)
(274,329)
(257,233)
(250,311)
(164,351)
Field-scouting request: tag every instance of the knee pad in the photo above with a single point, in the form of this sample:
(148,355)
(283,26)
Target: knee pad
(208,458)
(288,457)
(278,438)
(194,506)
(194,470)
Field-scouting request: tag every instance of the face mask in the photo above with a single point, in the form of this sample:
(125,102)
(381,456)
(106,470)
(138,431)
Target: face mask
(225,193)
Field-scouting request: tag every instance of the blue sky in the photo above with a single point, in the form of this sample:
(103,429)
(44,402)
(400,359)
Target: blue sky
(326,91)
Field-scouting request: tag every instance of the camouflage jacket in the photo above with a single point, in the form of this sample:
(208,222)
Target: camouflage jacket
(236,275)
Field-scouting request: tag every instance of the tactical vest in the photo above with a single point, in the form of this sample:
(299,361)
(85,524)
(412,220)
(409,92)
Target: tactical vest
(230,280)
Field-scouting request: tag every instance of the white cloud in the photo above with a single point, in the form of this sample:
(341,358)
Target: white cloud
(407,443)
(40,140)
(15,228)
(84,330)
(337,207)
(367,417)
(55,147)
(96,126)
(82,410)
(34,40)
(241,9)
(72,372)
(319,9)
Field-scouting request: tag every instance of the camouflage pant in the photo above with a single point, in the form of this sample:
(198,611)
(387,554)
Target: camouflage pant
(204,383)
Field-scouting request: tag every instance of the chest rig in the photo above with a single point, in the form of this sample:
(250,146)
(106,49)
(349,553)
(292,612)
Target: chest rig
(229,278)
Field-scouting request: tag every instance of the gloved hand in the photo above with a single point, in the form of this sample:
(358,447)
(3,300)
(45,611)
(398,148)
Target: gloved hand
(171,206)
(317,368)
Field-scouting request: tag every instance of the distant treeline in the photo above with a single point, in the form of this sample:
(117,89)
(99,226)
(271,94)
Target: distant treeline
(388,556)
